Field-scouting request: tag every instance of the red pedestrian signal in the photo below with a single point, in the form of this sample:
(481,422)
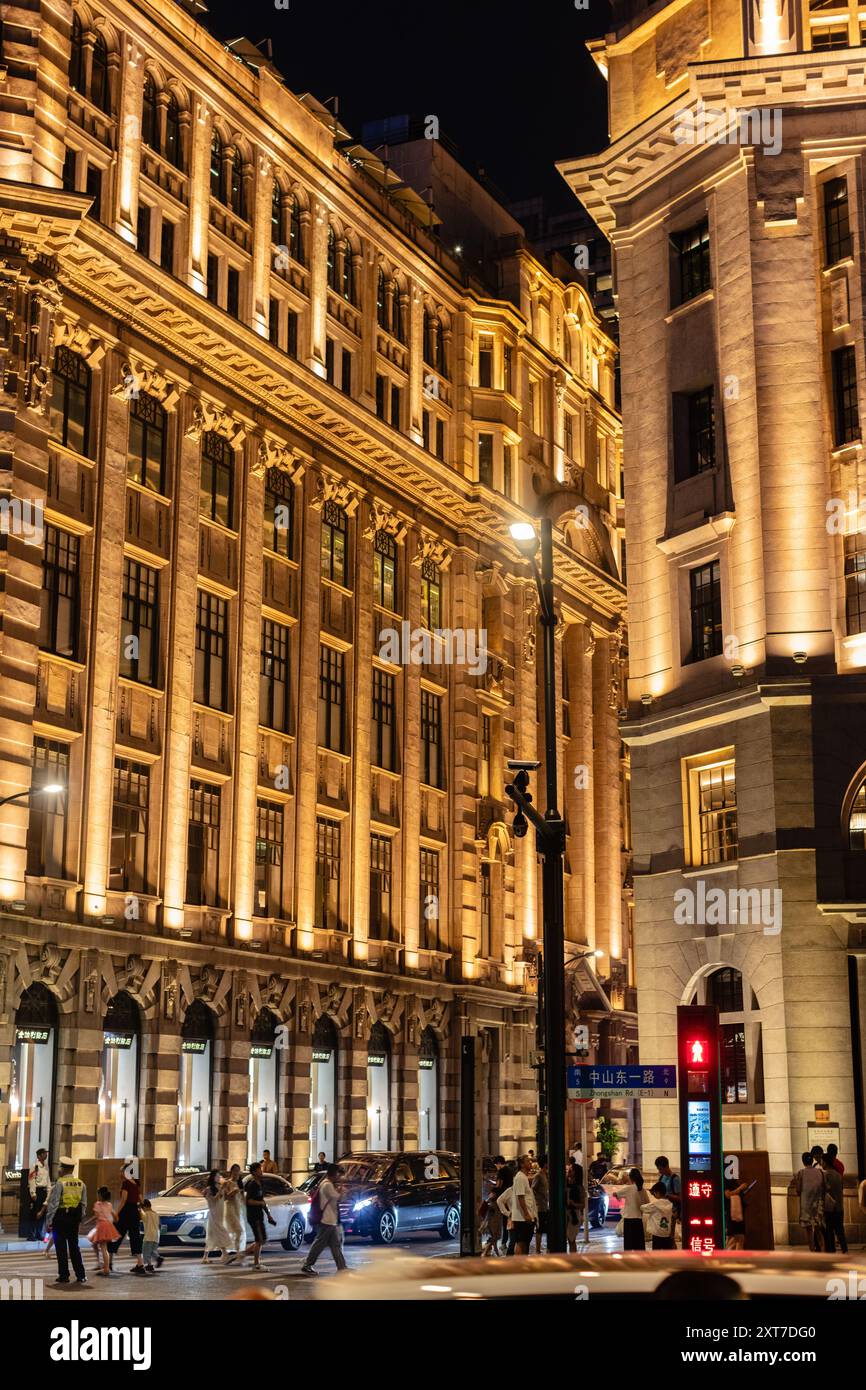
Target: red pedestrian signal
(697,1051)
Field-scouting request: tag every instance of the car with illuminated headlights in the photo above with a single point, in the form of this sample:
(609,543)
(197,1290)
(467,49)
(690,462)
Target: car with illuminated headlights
(182,1211)
(384,1196)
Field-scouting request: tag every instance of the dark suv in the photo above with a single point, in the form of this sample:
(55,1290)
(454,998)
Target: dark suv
(384,1195)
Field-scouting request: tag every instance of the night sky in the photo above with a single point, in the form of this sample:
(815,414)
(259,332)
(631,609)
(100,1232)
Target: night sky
(512,84)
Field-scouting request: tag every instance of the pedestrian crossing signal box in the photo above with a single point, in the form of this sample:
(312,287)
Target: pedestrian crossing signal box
(700,1102)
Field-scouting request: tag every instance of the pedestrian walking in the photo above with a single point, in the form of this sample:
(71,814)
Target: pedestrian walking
(735,1214)
(257,1213)
(104,1232)
(503,1201)
(268,1164)
(810,1187)
(634,1199)
(524,1212)
(657,1216)
(232,1196)
(217,1236)
(66,1206)
(129,1219)
(673,1189)
(833,1155)
(38,1183)
(150,1230)
(330,1232)
(574,1202)
(834,1210)
(541,1193)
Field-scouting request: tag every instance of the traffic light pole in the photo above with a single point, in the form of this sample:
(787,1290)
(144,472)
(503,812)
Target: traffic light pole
(550,840)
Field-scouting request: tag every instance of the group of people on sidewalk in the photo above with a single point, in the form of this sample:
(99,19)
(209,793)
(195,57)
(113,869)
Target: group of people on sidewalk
(818,1185)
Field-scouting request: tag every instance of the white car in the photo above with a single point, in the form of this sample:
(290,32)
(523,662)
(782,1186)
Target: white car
(182,1211)
(789,1274)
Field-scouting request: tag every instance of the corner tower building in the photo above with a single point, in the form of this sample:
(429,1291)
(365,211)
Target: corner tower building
(733,194)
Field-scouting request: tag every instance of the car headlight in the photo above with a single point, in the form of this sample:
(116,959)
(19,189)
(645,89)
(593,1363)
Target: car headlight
(364,1202)
(196,1216)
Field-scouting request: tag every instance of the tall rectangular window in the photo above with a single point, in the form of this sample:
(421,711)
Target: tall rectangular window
(705,589)
(274,321)
(59,599)
(329,360)
(69,412)
(93,189)
(692,261)
(484,760)
(216,490)
(128,868)
(569,435)
(380,887)
(382,751)
(346,373)
(431,738)
(274,702)
(381,394)
(508,368)
(385,571)
(846,410)
(430,902)
(508,469)
(334,543)
(166,245)
(139,628)
(485,459)
(143,229)
(855,584)
(233,292)
(279,513)
(291,332)
(440,439)
(203,845)
(332,693)
(714,790)
(46,827)
(148,426)
(694,433)
(485,941)
(211,650)
(395,407)
(269,859)
(431,595)
(485,361)
(327,906)
(213,279)
(838,245)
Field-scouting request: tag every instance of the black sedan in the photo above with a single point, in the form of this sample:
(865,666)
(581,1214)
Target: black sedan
(386,1195)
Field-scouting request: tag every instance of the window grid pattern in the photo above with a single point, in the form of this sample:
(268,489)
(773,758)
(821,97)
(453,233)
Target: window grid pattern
(328,851)
(717,813)
(431,738)
(380,887)
(706,611)
(139,623)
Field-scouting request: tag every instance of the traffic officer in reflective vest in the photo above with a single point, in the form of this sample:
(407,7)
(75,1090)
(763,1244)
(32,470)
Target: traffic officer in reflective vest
(66,1206)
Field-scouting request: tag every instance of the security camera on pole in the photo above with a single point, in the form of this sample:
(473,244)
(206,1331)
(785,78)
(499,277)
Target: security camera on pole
(550,842)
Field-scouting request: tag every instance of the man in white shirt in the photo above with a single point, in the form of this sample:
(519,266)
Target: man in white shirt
(330,1232)
(38,1182)
(524,1211)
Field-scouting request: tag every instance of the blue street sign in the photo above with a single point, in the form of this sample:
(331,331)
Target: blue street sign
(596,1081)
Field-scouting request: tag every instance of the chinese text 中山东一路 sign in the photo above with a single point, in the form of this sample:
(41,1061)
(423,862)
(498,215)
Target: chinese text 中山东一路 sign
(594,1081)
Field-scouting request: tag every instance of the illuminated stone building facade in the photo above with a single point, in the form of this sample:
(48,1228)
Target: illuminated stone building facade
(732,191)
(260,436)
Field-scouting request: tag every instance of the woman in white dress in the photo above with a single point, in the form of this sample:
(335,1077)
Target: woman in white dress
(233,1210)
(216,1236)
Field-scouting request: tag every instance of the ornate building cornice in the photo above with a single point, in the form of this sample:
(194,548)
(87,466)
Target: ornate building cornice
(385,518)
(210,418)
(330,487)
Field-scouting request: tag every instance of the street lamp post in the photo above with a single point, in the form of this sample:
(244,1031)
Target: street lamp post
(50,788)
(550,840)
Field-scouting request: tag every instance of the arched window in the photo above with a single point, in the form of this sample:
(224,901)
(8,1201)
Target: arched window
(349,283)
(194,1095)
(31,1087)
(150,114)
(277,215)
(379,1089)
(398,323)
(216,167)
(264,1092)
(76,56)
(857,818)
(238,201)
(428,1091)
(148,425)
(323,1090)
(381,310)
(296,232)
(118,1095)
(173,141)
(99,87)
(69,413)
(741,1043)
(332,259)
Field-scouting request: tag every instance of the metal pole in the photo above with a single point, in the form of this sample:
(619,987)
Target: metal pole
(583,1146)
(552,846)
(541,1125)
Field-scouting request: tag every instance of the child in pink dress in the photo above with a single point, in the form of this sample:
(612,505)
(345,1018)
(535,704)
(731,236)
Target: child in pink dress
(105,1229)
